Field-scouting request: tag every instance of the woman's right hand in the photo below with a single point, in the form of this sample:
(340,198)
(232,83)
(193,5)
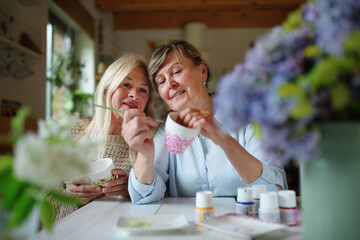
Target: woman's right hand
(136,130)
(80,188)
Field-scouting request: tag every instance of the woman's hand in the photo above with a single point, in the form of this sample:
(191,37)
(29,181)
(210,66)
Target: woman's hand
(136,130)
(248,167)
(194,118)
(117,186)
(80,188)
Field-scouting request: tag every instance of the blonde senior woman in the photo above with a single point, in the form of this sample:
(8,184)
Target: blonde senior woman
(124,86)
(217,160)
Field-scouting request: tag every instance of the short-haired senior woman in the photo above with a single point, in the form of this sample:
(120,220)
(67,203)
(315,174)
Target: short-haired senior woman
(218,160)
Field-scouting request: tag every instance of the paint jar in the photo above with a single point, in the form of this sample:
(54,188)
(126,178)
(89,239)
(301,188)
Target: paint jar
(269,207)
(204,206)
(288,209)
(257,189)
(245,203)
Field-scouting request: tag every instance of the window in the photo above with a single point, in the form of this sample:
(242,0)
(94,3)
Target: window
(70,69)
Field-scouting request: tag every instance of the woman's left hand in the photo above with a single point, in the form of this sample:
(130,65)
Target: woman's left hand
(117,186)
(248,167)
(194,118)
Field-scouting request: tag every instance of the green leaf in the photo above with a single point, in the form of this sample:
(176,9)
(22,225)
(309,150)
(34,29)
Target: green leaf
(69,104)
(257,129)
(5,164)
(340,96)
(64,198)
(329,69)
(5,178)
(47,214)
(303,107)
(294,20)
(63,65)
(12,189)
(77,92)
(80,93)
(289,89)
(17,123)
(312,51)
(324,73)
(351,44)
(302,110)
(303,82)
(24,205)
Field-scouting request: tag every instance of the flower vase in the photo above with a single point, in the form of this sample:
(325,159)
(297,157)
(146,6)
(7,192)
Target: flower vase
(329,185)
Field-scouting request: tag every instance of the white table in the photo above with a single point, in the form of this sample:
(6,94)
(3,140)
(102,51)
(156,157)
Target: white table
(97,220)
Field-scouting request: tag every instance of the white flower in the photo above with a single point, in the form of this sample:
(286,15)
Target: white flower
(59,127)
(52,155)
(47,162)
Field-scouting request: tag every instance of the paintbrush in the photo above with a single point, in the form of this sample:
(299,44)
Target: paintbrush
(122,111)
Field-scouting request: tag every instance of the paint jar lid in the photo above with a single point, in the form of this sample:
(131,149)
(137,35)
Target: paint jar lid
(204,199)
(269,200)
(244,195)
(287,198)
(257,189)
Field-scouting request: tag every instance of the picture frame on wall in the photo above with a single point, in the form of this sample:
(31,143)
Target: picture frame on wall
(9,108)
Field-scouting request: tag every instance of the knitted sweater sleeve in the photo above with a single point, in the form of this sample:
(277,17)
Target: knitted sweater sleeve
(61,209)
(116,148)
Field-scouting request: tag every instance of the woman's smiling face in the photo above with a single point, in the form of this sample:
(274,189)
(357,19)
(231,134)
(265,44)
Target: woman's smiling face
(133,92)
(180,82)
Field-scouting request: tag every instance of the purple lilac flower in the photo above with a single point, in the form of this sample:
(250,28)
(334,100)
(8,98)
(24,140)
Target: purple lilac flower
(310,13)
(233,102)
(252,87)
(336,19)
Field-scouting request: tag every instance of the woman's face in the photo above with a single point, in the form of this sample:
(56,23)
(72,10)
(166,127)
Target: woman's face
(180,84)
(133,92)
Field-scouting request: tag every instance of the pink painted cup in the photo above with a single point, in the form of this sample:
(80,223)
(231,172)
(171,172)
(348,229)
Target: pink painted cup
(177,136)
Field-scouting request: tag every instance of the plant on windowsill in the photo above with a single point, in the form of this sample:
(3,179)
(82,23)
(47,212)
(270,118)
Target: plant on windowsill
(66,70)
(65,74)
(30,178)
(299,87)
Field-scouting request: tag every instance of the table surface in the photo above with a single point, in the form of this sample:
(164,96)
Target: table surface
(97,220)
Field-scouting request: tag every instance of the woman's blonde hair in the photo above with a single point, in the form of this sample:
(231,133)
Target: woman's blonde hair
(112,78)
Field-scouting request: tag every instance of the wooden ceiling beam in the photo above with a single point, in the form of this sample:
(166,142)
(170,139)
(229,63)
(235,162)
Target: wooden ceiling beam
(213,19)
(157,5)
(79,14)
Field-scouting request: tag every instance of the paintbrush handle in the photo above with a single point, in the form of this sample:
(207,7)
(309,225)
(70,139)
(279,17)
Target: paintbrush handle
(121,111)
(109,108)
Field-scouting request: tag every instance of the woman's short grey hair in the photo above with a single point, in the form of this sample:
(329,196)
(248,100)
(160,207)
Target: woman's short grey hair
(180,48)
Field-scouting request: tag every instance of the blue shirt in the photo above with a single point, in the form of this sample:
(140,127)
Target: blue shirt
(203,166)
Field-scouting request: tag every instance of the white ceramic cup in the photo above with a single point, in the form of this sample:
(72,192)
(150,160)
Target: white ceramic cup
(101,171)
(177,136)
